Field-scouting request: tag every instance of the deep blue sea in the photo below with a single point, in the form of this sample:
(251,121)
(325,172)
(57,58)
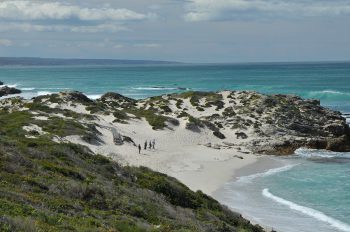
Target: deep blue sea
(310,193)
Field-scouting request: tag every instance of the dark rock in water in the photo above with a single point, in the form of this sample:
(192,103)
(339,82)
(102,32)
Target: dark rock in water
(1,83)
(4,91)
(219,135)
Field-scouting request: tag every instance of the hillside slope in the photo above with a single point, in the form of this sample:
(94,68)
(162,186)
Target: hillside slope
(52,186)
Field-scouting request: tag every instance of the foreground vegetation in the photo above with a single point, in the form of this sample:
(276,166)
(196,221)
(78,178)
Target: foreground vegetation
(51,186)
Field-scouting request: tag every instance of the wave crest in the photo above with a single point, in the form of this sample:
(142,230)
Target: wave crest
(314,153)
(308,211)
(327,94)
(273,171)
(159,88)
(40,93)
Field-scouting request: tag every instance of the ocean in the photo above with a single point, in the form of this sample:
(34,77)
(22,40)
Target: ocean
(310,192)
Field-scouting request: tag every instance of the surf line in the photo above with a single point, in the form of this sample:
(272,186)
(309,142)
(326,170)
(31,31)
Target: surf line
(308,211)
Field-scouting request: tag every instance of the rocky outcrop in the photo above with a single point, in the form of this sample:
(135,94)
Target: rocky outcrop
(1,83)
(4,91)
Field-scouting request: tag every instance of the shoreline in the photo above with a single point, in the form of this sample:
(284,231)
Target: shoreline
(215,173)
(261,165)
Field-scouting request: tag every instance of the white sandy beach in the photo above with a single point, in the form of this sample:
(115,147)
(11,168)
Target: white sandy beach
(198,159)
(178,152)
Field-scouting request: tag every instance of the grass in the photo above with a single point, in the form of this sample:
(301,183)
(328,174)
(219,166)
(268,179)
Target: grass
(157,122)
(121,116)
(49,186)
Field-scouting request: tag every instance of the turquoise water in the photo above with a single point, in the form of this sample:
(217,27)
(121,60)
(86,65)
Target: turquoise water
(328,82)
(310,193)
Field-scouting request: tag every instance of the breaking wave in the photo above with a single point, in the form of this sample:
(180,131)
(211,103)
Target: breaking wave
(314,153)
(327,94)
(155,88)
(273,171)
(10,85)
(40,93)
(27,89)
(308,211)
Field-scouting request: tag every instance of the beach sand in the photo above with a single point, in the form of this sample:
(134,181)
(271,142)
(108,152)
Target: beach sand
(261,165)
(198,159)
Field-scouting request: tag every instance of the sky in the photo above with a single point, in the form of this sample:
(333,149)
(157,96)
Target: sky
(213,31)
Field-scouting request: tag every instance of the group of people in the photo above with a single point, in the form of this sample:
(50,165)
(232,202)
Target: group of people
(150,145)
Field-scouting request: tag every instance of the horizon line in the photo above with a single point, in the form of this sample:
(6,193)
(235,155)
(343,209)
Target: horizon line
(178,62)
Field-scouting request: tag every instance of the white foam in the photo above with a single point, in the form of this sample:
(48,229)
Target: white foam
(27,89)
(334,92)
(54,88)
(347,118)
(314,153)
(308,211)
(11,85)
(94,96)
(273,171)
(40,93)
(154,88)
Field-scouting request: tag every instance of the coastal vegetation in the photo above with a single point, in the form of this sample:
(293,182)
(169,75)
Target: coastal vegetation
(52,186)
(51,180)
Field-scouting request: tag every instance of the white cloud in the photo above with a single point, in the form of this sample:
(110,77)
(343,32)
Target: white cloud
(55,16)
(6,42)
(27,27)
(98,28)
(34,10)
(118,46)
(148,45)
(206,10)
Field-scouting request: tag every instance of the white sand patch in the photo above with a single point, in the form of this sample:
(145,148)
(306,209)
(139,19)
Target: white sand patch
(41,118)
(178,152)
(34,128)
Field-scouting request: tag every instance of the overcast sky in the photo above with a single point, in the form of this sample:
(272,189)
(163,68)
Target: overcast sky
(178,30)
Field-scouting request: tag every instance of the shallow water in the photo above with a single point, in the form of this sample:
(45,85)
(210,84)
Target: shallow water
(310,192)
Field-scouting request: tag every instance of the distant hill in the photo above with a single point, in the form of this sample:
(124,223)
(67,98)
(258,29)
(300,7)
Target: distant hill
(33,61)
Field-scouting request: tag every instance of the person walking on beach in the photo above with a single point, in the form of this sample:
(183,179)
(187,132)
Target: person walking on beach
(139,148)
(145,147)
(150,145)
(153,144)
